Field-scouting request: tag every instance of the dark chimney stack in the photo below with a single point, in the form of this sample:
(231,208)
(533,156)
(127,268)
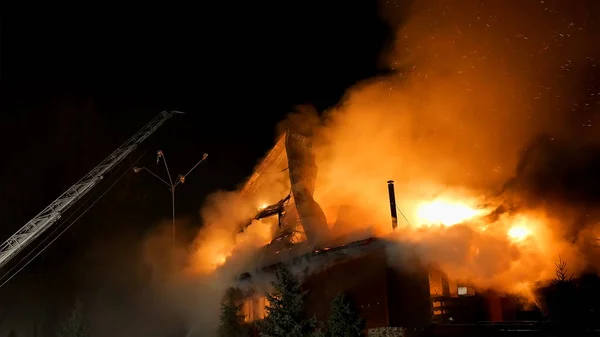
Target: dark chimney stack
(393,204)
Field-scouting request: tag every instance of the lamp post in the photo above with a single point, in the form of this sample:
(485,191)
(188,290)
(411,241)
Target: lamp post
(180,180)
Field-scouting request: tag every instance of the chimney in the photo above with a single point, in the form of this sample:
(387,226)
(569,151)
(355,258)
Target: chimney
(393,204)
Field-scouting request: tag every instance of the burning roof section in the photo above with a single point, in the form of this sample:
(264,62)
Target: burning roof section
(290,164)
(274,162)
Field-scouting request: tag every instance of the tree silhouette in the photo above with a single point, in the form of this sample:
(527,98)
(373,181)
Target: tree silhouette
(561,298)
(344,320)
(284,311)
(75,326)
(231,320)
(562,273)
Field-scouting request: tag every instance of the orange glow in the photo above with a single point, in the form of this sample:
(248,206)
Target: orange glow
(219,259)
(212,254)
(216,246)
(519,233)
(450,126)
(442,212)
(254,308)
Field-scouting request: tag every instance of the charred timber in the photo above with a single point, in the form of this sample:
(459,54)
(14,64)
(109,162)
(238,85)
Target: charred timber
(303,173)
(275,209)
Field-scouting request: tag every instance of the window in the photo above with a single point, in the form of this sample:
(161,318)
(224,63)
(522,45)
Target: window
(462,291)
(247,310)
(260,310)
(435,283)
(254,308)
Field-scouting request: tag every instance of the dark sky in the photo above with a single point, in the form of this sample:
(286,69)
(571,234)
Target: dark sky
(75,86)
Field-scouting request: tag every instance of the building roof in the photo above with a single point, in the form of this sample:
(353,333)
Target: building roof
(273,255)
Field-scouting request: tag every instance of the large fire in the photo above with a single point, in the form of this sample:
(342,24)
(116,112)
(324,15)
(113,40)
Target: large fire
(448,213)
(444,212)
(473,85)
(519,232)
(513,251)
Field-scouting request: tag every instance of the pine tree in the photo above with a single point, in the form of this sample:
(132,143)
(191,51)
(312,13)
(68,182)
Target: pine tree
(562,273)
(284,309)
(561,298)
(75,326)
(318,333)
(231,320)
(343,320)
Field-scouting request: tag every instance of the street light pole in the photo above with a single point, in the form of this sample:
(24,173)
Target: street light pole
(180,180)
(173,214)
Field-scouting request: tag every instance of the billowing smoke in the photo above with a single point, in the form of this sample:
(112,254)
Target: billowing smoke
(186,285)
(474,83)
(220,255)
(489,111)
(487,125)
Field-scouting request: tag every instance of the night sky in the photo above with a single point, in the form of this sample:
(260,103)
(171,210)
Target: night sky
(75,86)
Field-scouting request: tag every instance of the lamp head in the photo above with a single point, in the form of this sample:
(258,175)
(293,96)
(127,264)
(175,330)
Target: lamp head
(159,154)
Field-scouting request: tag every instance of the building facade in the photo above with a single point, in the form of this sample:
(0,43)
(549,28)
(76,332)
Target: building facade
(385,293)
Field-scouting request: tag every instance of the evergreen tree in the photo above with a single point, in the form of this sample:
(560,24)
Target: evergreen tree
(562,273)
(284,309)
(318,333)
(343,320)
(231,320)
(75,326)
(561,299)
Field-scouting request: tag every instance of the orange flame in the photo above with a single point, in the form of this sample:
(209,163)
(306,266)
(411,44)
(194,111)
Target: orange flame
(444,212)
(456,115)
(519,232)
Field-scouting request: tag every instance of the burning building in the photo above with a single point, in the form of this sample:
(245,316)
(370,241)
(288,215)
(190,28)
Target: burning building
(298,213)
(389,290)
(492,169)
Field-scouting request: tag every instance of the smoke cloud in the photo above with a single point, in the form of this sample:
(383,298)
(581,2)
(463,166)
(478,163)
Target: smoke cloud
(490,107)
(218,259)
(486,123)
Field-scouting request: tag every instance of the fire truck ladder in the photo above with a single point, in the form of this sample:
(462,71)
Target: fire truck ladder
(47,217)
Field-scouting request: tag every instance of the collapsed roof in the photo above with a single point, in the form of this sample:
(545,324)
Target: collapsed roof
(294,157)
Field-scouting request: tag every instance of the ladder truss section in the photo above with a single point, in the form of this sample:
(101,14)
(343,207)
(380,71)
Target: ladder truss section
(36,226)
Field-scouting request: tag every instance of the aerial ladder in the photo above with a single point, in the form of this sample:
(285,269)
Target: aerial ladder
(49,215)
